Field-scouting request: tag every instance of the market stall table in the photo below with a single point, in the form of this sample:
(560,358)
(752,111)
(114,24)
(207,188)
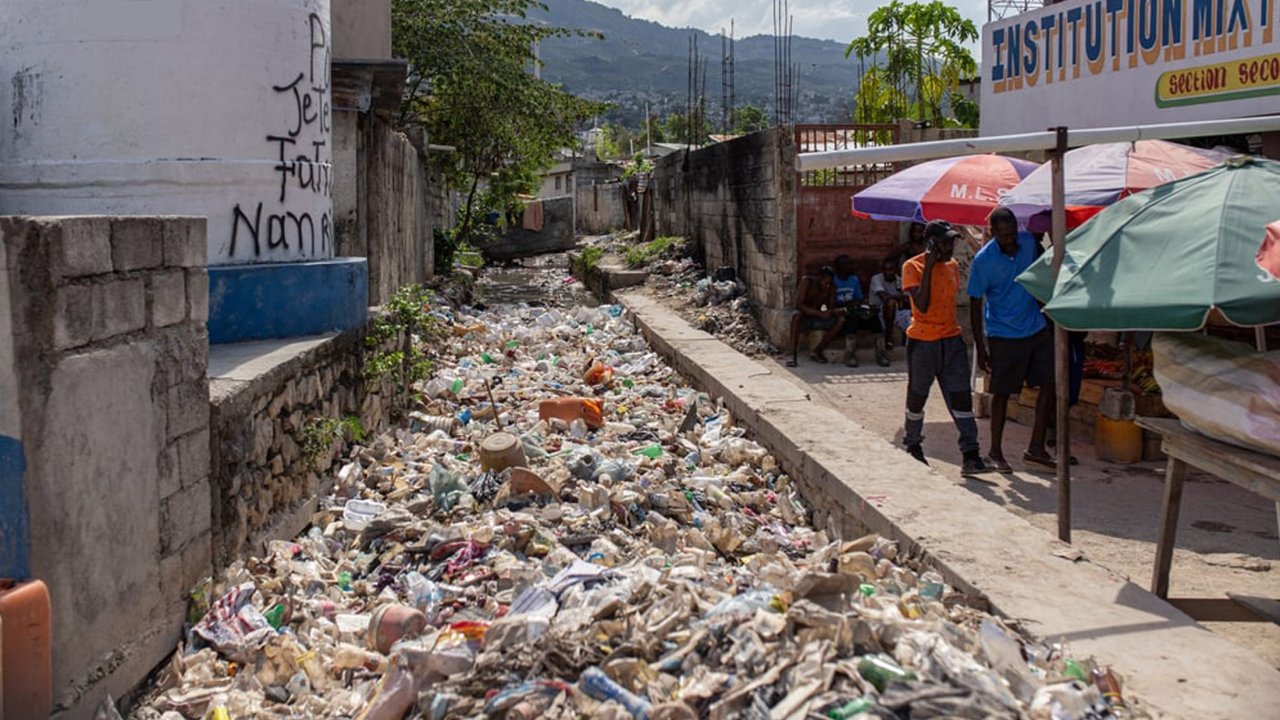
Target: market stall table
(1250,470)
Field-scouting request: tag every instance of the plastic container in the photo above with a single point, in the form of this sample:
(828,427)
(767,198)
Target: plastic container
(568,409)
(26,656)
(500,451)
(390,623)
(1118,441)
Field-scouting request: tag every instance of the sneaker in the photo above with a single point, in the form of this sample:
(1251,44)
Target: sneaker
(917,452)
(973,466)
(852,361)
(882,359)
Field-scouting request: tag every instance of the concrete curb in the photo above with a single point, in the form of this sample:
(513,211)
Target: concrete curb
(856,481)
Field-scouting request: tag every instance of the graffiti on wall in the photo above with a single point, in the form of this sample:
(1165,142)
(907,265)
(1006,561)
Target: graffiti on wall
(291,224)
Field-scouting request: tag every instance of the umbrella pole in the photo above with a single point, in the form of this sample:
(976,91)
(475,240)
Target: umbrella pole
(1061,363)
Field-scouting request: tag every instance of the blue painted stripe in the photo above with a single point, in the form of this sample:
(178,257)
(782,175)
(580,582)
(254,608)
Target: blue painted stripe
(282,300)
(15,536)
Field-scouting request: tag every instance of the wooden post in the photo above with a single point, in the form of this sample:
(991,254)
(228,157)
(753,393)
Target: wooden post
(1061,364)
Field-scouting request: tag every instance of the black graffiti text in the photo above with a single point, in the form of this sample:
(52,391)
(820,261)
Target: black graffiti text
(311,171)
(285,231)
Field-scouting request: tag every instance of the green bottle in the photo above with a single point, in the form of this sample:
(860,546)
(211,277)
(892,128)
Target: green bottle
(457,386)
(486,358)
(275,615)
(1075,671)
(880,671)
(850,709)
(650,451)
(344,581)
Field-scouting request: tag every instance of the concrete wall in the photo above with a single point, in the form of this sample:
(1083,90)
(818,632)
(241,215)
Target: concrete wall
(600,208)
(556,234)
(106,320)
(361,29)
(265,400)
(381,202)
(735,201)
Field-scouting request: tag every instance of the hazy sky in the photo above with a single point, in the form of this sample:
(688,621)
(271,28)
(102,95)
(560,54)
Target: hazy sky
(841,21)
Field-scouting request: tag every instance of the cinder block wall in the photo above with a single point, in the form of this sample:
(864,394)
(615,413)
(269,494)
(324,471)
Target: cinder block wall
(600,207)
(109,353)
(556,234)
(736,202)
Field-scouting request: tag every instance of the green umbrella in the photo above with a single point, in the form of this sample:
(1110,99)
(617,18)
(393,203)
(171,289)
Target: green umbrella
(1164,258)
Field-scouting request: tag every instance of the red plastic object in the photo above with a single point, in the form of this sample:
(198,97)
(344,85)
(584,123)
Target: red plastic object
(26,650)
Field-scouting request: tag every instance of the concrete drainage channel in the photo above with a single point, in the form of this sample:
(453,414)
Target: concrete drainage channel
(856,482)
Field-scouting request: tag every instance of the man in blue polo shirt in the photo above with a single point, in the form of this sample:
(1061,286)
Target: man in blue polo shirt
(1013,340)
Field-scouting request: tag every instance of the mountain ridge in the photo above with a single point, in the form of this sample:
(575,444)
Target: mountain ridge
(641,61)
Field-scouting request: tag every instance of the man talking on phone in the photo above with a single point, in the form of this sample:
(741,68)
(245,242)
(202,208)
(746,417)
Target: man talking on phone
(935,348)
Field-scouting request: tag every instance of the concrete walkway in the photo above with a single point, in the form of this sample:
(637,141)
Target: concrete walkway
(1226,535)
(855,479)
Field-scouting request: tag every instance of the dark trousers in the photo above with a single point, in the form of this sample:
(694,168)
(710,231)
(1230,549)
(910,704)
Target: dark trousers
(946,361)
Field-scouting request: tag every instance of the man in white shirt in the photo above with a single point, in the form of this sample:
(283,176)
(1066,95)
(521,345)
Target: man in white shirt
(886,296)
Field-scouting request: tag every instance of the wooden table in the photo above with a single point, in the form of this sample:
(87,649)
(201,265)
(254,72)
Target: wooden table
(1250,470)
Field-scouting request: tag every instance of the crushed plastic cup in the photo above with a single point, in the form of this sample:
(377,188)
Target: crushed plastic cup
(357,514)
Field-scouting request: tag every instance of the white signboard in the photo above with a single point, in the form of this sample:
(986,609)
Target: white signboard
(1104,63)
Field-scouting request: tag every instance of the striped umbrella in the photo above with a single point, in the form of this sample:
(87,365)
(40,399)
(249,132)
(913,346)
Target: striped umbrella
(1099,175)
(961,190)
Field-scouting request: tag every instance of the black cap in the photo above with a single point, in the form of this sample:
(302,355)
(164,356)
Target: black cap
(940,228)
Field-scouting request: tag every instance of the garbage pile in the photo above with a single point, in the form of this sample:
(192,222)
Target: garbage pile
(565,531)
(716,304)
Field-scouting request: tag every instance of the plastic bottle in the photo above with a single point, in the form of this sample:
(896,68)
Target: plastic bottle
(1109,686)
(350,657)
(850,709)
(598,685)
(880,671)
(650,451)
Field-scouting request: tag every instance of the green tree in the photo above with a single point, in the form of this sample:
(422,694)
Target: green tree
(748,119)
(918,58)
(617,142)
(471,87)
(677,128)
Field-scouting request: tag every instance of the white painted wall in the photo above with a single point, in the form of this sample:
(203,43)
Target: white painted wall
(218,108)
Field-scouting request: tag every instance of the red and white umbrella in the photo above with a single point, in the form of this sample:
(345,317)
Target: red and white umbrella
(961,190)
(1269,253)
(1098,175)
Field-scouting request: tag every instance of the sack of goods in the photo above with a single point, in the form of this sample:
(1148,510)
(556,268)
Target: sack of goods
(1225,390)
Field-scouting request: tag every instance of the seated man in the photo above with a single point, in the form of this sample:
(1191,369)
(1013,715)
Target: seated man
(816,310)
(887,298)
(858,315)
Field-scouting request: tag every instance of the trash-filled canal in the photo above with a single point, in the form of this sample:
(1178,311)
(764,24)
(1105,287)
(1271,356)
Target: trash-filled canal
(563,529)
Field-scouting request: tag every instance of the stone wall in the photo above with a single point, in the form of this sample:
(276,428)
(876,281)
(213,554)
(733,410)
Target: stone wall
(108,347)
(735,201)
(601,207)
(556,234)
(262,412)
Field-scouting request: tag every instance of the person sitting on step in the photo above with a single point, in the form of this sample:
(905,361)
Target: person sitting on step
(858,314)
(816,310)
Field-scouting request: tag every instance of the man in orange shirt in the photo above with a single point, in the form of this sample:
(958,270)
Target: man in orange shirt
(935,348)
